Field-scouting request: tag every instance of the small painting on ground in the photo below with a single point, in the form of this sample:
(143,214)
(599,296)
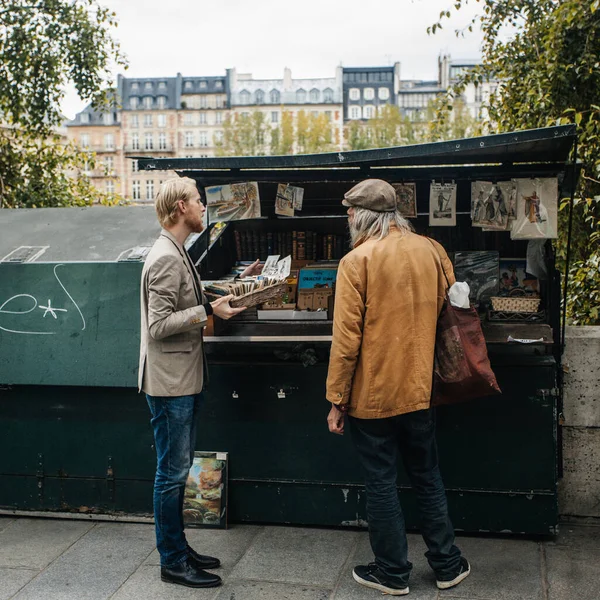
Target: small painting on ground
(205,501)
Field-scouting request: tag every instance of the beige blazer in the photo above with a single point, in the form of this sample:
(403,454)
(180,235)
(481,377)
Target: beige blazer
(172,319)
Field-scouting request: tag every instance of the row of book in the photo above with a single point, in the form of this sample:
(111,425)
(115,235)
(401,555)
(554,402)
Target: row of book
(301,245)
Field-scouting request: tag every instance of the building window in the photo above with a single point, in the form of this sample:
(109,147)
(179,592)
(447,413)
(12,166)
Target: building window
(203,85)
(109,141)
(368,112)
(478,94)
(314,113)
(148,141)
(328,95)
(188,119)
(135,86)
(188,85)
(218,135)
(135,141)
(189,139)
(203,139)
(328,115)
(218,85)
(162,85)
(384,93)
(147,120)
(244,97)
(260,97)
(274,117)
(135,165)
(202,118)
(109,164)
(148,86)
(150,190)
(301,96)
(147,102)
(354,94)
(315,95)
(107,118)
(110,187)
(275,96)
(84,140)
(245,115)
(218,118)
(369,93)
(203,102)
(133,102)
(162,120)
(161,102)
(162,141)
(135,121)
(84,118)
(355,112)
(135,188)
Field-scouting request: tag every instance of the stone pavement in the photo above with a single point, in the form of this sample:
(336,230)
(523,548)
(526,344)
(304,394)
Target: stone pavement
(52,559)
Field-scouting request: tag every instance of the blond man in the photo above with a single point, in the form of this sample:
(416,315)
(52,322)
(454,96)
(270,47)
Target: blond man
(172,367)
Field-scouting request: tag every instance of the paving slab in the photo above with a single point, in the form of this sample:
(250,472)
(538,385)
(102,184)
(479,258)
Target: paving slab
(296,555)
(228,545)
(5,522)
(35,543)
(572,574)
(145,584)
(421,584)
(13,580)
(501,569)
(96,566)
(257,590)
(584,540)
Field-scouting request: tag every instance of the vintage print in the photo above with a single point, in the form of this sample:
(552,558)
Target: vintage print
(537,209)
(406,199)
(284,201)
(442,204)
(205,500)
(514,279)
(493,204)
(480,271)
(234,202)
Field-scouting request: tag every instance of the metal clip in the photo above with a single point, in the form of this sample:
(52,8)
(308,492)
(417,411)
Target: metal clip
(281,394)
(235,395)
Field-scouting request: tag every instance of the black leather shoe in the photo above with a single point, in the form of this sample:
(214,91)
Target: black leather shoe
(188,574)
(203,562)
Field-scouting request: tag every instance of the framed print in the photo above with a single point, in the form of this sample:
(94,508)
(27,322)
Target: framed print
(205,499)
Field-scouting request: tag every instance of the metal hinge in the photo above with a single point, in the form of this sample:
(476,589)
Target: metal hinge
(110,481)
(40,477)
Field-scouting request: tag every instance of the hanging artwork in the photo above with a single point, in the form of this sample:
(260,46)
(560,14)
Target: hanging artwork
(289,198)
(406,199)
(205,497)
(234,202)
(537,209)
(480,271)
(493,205)
(442,204)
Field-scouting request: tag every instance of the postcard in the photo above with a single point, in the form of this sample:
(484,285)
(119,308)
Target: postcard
(234,202)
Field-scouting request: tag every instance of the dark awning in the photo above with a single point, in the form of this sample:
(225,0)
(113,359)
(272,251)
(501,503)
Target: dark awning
(550,144)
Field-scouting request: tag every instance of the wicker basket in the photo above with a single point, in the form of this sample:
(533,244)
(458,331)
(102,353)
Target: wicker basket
(270,292)
(515,304)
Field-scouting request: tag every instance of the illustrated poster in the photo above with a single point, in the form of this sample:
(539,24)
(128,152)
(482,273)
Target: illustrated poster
(493,205)
(284,201)
(480,271)
(234,202)
(514,279)
(442,204)
(406,199)
(537,209)
(205,498)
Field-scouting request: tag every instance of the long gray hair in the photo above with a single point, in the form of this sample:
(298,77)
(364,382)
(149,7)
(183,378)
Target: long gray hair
(368,224)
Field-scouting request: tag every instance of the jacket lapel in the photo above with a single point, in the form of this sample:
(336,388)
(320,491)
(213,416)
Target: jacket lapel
(187,262)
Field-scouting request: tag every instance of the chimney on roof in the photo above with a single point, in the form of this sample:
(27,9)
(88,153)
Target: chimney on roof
(287,79)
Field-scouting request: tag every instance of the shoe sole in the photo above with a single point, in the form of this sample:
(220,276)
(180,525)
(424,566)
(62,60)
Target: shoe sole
(444,585)
(202,585)
(378,586)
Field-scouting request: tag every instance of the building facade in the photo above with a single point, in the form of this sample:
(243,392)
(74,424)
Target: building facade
(366,89)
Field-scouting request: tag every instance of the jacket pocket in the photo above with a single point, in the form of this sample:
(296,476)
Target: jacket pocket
(176,346)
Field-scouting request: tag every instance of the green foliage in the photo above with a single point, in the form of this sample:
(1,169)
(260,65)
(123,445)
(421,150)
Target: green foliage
(546,53)
(45,45)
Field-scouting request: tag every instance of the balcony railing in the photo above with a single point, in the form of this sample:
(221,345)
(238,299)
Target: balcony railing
(142,148)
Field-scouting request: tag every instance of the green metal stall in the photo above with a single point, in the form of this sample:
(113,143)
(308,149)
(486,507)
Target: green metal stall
(76,432)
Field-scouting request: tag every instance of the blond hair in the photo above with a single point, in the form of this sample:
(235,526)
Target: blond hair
(169,194)
(368,224)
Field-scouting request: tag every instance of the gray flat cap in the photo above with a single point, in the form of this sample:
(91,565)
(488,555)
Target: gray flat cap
(374,194)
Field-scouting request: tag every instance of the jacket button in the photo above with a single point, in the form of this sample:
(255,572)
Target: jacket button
(339,395)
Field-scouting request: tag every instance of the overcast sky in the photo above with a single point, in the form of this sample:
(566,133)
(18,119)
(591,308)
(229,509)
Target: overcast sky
(311,37)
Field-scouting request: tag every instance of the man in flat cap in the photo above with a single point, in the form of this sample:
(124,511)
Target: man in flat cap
(389,292)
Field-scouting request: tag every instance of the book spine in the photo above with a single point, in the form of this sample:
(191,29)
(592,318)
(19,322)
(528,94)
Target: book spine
(263,245)
(255,246)
(288,243)
(294,245)
(244,244)
(329,247)
(314,246)
(270,245)
(301,245)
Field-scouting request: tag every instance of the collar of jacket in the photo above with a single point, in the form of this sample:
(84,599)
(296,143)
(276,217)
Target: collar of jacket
(171,237)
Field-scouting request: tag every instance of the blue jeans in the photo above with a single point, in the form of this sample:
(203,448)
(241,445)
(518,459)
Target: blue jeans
(174,424)
(380,443)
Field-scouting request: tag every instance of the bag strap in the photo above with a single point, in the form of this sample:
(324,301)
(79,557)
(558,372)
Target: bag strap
(441,262)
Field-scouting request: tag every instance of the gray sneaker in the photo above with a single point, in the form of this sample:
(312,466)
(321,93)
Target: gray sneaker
(463,573)
(373,577)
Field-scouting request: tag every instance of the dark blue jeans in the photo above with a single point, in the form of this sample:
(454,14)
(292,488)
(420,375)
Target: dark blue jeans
(174,424)
(380,443)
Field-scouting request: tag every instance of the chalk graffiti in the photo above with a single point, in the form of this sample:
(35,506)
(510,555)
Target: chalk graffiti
(34,304)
